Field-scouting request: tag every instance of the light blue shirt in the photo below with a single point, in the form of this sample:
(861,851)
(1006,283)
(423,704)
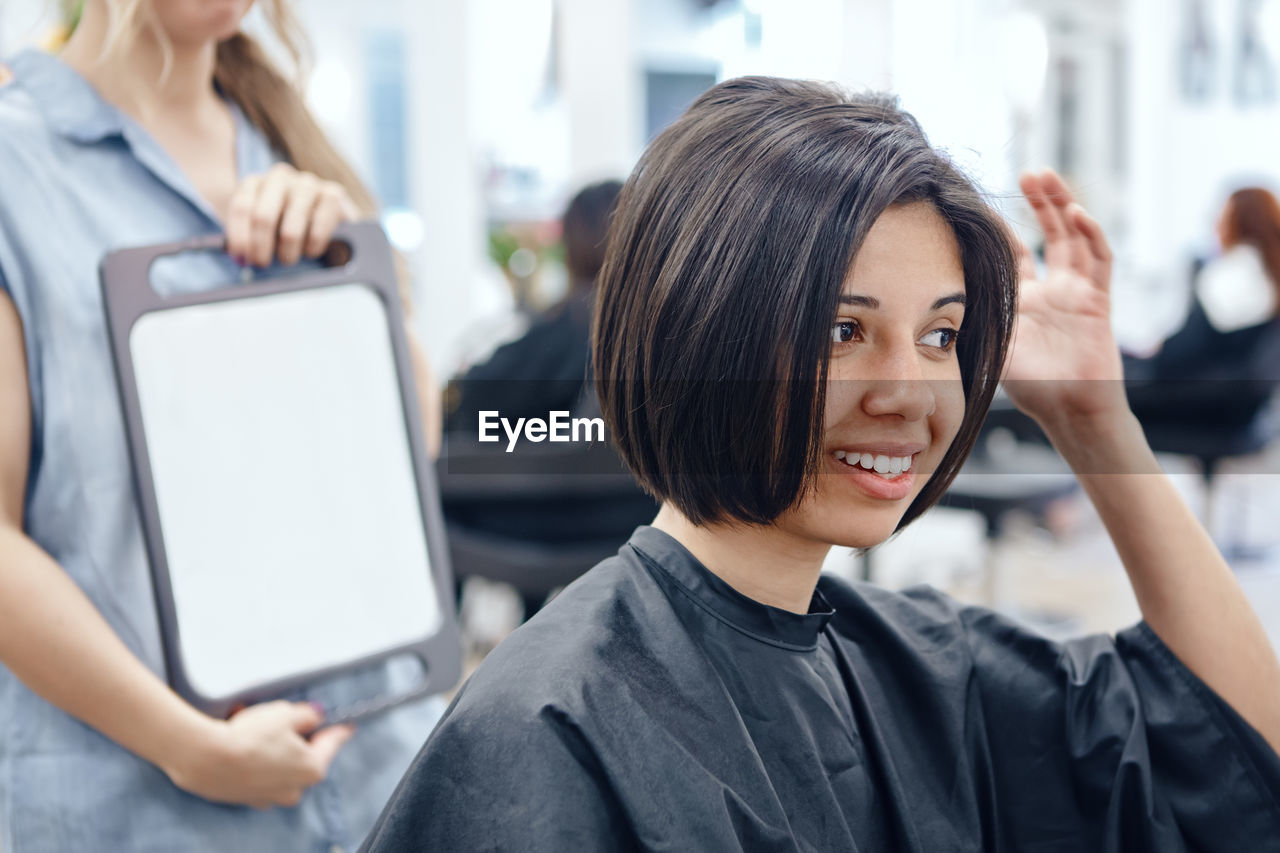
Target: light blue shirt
(78,178)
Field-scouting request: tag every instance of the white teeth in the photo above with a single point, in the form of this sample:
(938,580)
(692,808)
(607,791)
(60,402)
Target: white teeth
(887,466)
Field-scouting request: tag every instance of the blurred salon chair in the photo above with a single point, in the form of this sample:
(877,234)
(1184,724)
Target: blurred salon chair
(1208,394)
(1209,420)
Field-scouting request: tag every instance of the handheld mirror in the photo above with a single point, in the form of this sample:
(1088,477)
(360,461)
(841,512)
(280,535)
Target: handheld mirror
(287,502)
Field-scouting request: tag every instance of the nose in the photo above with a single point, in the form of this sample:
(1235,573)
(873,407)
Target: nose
(899,388)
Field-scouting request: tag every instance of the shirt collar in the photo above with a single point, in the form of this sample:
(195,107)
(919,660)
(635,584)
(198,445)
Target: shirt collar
(72,107)
(773,625)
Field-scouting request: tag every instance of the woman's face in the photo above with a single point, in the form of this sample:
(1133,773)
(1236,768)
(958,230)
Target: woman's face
(194,22)
(894,397)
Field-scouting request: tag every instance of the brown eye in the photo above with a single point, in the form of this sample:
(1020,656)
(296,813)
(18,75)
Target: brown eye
(844,332)
(943,339)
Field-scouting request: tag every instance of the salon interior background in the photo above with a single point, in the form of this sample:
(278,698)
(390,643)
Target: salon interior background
(474,121)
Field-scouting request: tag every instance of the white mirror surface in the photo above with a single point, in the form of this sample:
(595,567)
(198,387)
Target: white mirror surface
(285,485)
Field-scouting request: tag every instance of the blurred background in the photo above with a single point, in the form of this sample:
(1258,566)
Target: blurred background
(475,122)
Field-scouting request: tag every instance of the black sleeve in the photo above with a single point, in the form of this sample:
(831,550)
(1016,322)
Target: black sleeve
(486,781)
(1118,740)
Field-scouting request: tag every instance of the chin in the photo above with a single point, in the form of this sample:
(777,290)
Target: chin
(847,526)
(217,21)
(861,535)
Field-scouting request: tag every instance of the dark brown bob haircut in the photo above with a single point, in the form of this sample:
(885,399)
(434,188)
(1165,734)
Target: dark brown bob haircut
(727,254)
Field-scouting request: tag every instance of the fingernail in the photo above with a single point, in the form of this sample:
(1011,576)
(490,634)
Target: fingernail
(239,259)
(318,707)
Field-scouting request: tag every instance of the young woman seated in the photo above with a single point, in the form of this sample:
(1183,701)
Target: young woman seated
(803,315)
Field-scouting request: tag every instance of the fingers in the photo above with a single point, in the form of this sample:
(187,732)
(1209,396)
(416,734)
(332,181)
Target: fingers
(1095,239)
(304,717)
(1073,240)
(286,215)
(1057,251)
(239,213)
(1049,217)
(1077,248)
(296,220)
(326,743)
(264,220)
(329,211)
(324,747)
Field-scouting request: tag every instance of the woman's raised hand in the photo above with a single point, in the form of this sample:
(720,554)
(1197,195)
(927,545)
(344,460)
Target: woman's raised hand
(286,215)
(261,757)
(1064,363)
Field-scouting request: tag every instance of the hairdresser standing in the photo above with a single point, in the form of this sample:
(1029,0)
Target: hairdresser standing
(159,120)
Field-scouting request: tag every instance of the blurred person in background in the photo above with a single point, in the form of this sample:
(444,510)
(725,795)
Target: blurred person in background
(1236,295)
(545,369)
(1220,367)
(159,120)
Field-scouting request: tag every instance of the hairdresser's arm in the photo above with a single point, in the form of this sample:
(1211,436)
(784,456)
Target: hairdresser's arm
(1184,587)
(287,215)
(56,642)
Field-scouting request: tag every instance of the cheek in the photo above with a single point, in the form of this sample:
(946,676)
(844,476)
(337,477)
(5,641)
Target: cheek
(949,411)
(842,398)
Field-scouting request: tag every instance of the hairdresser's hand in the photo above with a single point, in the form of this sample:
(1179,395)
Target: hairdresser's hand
(1065,366)
(261,757)
(285,214)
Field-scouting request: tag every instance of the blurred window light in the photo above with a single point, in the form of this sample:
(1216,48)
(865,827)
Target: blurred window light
(329,93)
(523,262)
(513,53)
(385,64)
(1024,44)
(799,38)
(404,228)
(517,113)
(1269,25)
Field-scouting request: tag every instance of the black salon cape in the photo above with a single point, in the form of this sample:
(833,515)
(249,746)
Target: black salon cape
(650,706)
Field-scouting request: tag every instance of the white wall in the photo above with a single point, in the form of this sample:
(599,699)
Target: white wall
(25,22)
(1185,157)
(452,281)
(451,264)
(601,88)
(949,69)
(866,54)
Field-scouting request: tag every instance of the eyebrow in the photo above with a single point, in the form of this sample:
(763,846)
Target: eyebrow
(873,303)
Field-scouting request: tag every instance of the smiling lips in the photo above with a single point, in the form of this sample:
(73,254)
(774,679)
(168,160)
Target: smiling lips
(881,473)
